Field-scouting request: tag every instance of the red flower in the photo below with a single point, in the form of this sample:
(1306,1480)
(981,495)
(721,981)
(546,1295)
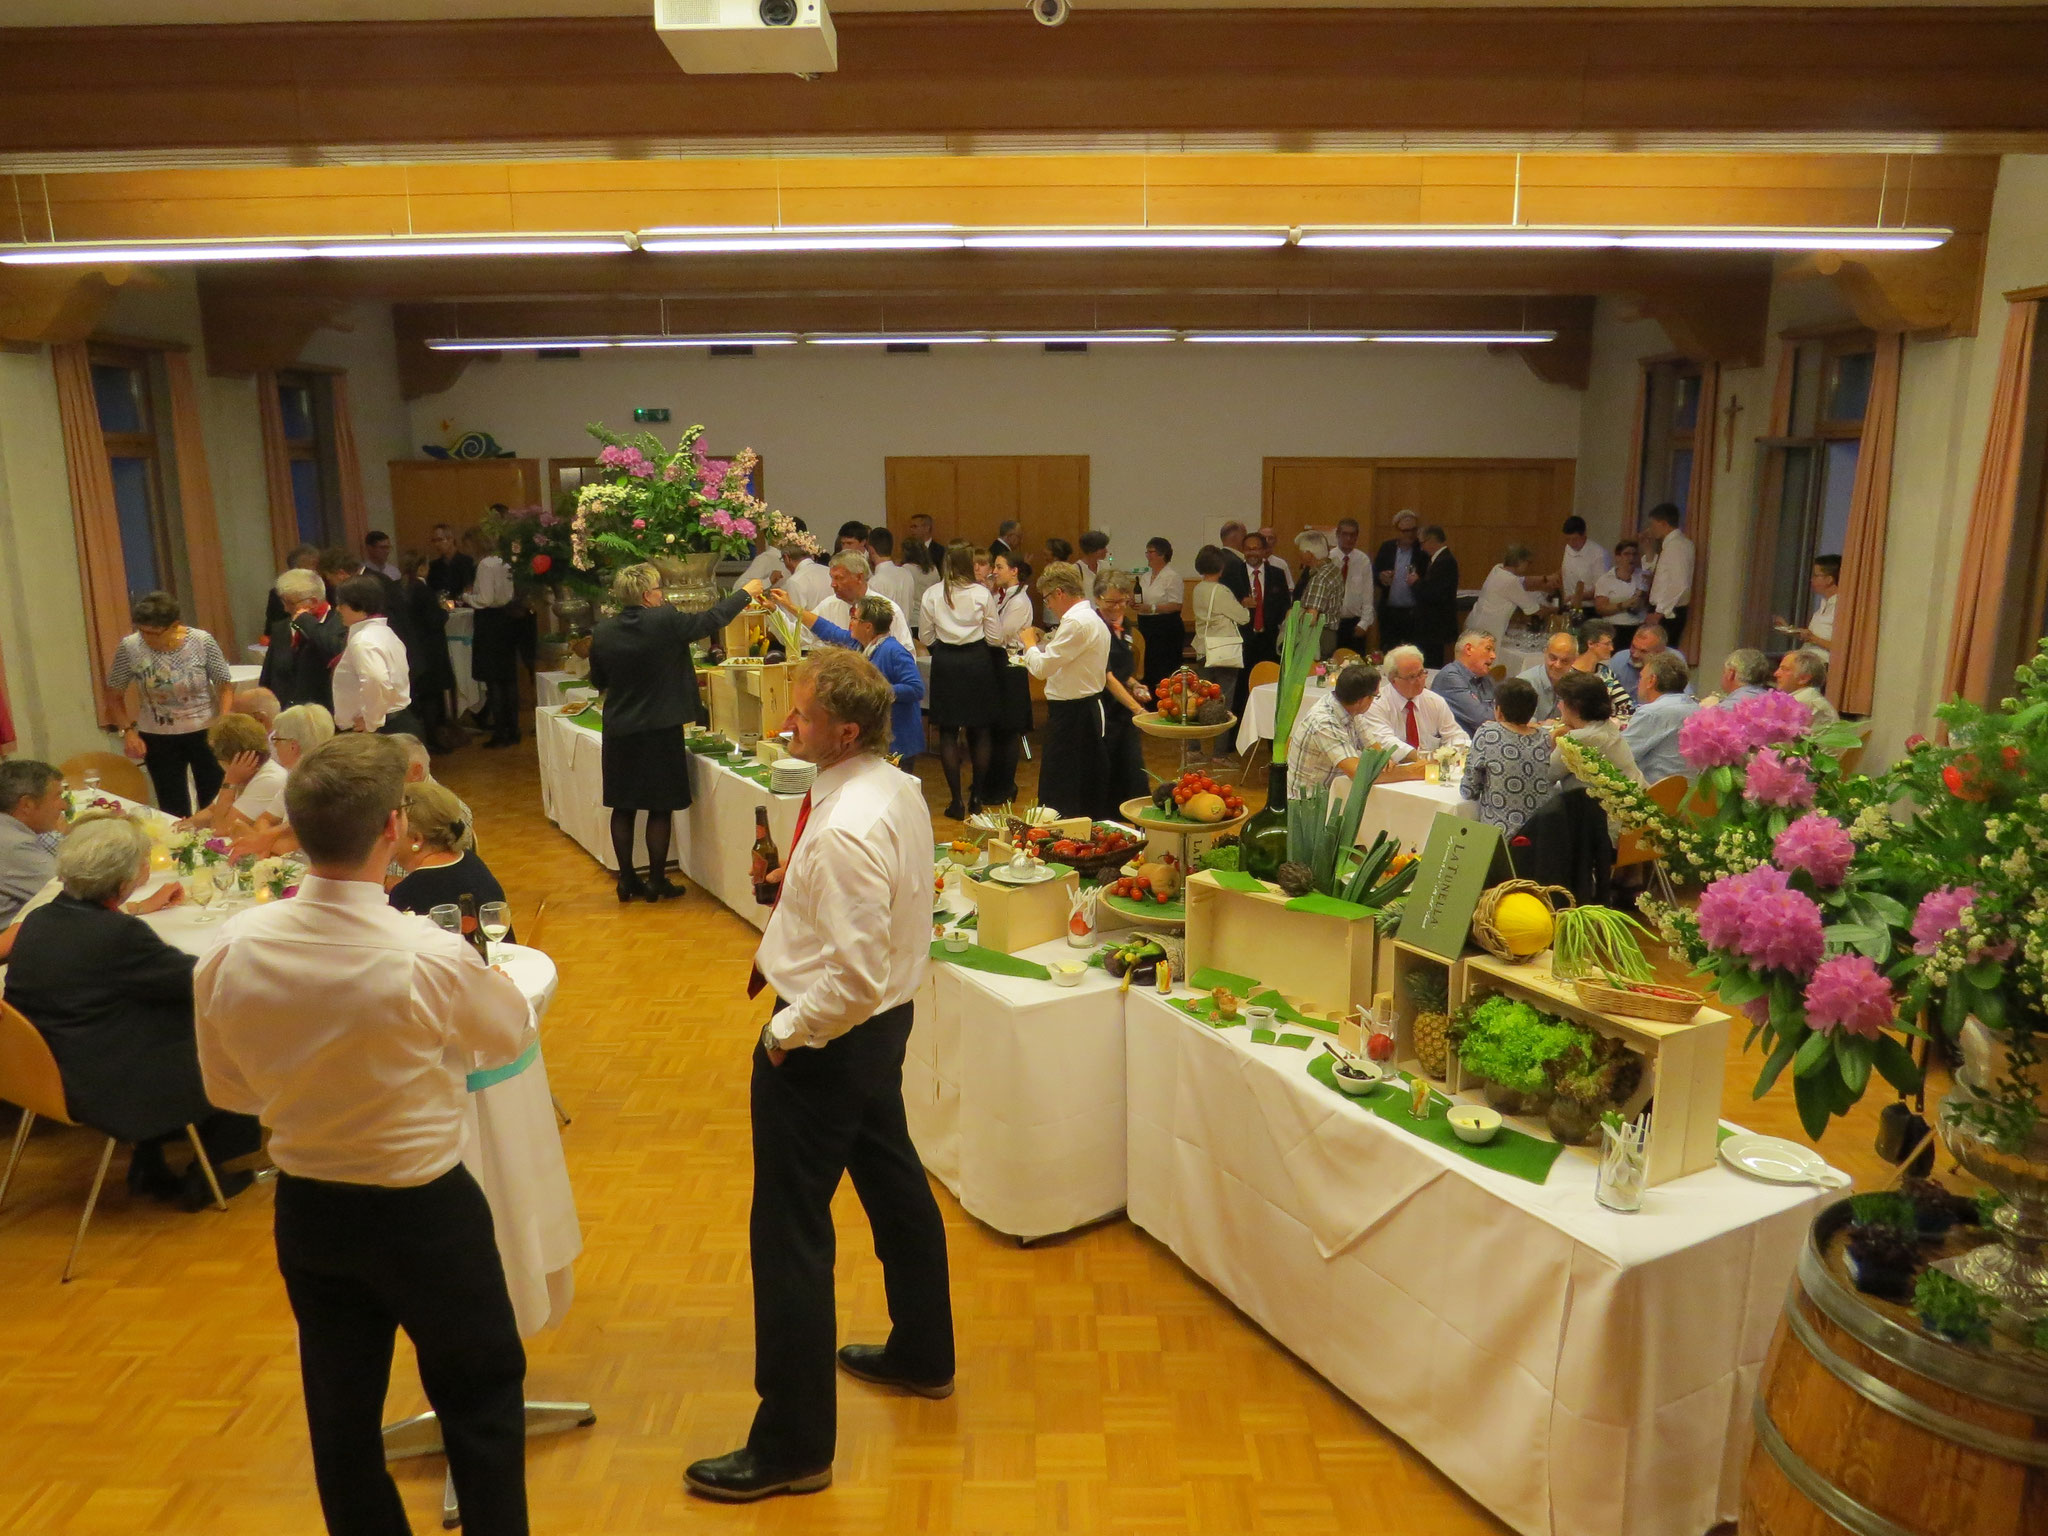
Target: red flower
(2011,757)
(1915,742)
(542,564)
(1965,785)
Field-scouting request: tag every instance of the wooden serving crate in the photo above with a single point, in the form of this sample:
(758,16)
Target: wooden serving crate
(1397,962)
(1684,1064)
(1322,964)
(1014,917)
(749,700)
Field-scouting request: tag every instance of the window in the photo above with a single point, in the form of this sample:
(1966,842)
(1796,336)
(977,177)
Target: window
(1806,476)
(1671,413)
(305,404)
(124,391)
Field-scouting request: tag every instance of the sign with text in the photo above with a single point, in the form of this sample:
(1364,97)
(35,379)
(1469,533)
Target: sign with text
(1456,867)
(650,413)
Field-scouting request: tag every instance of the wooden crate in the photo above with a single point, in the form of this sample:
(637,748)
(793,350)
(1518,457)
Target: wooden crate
(1323,965)
(1685,1064)
(1014,917)
(749,701)
(1397,961)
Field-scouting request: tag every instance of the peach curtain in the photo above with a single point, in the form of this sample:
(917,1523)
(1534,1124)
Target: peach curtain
(1852,675)
(102,569)
(1973,642)
(209,596)
(277,472)
(1699,502)
(6,718)
(355,512)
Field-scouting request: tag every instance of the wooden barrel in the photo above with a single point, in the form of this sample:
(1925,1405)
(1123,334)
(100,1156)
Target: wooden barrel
(1867,1425)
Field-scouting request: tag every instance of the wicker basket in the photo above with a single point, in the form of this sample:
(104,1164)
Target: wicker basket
(1488,937)
(1639,1005)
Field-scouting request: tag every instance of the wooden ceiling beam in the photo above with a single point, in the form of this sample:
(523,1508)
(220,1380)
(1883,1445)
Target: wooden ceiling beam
(1885,77)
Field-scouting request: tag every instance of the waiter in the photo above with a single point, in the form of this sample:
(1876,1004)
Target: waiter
(1072,665)
(349,1029)
(494,648)
(845,951)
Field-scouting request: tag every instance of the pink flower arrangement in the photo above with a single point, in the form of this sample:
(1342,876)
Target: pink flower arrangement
(1772,718)
(1759,917)
(1818,846)
(627,458)
(639,522)
(1940,913)
(1775,780)
(1849,993)
(1722,903)
(1713,738)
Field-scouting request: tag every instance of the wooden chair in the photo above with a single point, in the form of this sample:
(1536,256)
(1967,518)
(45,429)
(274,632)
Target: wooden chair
(1343,657)
(118,775)
(1137,652)
(1264,672)
(29,1077)
(1498,671)
(1667,792)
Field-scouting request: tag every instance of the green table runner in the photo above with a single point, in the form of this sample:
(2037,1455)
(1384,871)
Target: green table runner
(1208,978)
(590,717)
(977,958)
(1236,880)
(1511,1151)
(1329,906)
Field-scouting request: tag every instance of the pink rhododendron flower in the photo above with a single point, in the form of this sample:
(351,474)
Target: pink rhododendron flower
(744,527)
(1713,738)
(1941,913)
(1849,993)
(1771,718)
(1818,845)
(1758,917)
(639,522)
(1721,904)
(1774,780)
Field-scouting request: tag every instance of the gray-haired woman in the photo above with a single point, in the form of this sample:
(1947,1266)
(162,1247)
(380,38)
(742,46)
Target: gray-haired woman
(641,660)
(114,1003)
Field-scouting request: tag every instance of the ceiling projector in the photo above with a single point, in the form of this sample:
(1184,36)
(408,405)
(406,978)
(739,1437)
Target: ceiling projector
(748,37)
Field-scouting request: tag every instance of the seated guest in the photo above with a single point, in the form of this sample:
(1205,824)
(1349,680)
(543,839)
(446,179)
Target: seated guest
(1560,654)
(259,704)
(1745,675)
(298,664)
(298,731)
(1804,674)
(1510,588)
(1652,731)
(1627,666)
(31,816)
(114,1002)
(1329,735)
(1407,717)
(1596,645)
(1507,772)
(1466,682)
(1585,713)
(252,782)
(873,633)
(438,854)
(372,680)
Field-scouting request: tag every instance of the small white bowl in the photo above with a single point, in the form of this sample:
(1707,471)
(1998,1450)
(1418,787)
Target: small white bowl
(1475,1123)
(1067,973)
(956,943)
(1352,1081)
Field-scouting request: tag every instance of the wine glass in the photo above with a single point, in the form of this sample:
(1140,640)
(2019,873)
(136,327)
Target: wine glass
(448,915)
(495,918)
(92,781)
(199,890)
(227,880)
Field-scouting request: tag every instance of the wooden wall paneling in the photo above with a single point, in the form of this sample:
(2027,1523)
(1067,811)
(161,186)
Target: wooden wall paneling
(968,496)
(1483,505)
(1316,493)
(921,486)
(988,495)
(457,492)
(1052,498)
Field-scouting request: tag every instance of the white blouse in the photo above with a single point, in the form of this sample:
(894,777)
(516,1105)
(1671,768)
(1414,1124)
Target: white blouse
(1162,588)
(958,615)
(1013,614)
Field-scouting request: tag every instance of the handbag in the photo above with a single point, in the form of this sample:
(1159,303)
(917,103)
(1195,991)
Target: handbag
(1217,651)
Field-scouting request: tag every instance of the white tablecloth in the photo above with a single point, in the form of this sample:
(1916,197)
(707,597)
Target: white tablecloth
(469,693)
(713,840)
(1256,725)
(1578,1372)
(1407,811)
(1014,1089)
(245,673)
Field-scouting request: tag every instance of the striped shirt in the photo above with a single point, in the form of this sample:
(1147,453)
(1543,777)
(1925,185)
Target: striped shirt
(177,687)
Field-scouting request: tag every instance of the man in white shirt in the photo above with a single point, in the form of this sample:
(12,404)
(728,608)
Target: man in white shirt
(349,1029)
(764,567)
(1584,563)
(850,583)
(1671,581)
(1355,569)
(494,648)
(886,578)
(804,578)
(845,951)
(1406,716)
(1073,665)
(1804,675)
(372,684)
(1329,736)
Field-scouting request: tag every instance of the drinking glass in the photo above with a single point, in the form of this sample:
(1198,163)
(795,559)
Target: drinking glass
(92,781)
(448,915)
(495,918)
(227,880)
(1624,1167)
(199,890)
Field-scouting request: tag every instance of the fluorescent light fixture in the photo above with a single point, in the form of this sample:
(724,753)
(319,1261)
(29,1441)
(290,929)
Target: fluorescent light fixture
(1273,338)
(477,245)
(865,237)
(765,339)
(956,339)
(1467,338)
(1089,338)
(1479,237)
(105,253)
(1787,239)
(1126,239)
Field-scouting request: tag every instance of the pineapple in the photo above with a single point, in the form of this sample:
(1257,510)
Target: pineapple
(1429,990)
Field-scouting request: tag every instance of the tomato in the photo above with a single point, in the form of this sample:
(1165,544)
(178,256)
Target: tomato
(1160,898)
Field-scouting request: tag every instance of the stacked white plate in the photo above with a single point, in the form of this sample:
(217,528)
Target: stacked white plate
(791,775)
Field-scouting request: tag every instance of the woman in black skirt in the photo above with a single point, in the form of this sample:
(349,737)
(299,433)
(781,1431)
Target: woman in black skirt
(958,624)
(1012,578)
(1124,698)
(641,660)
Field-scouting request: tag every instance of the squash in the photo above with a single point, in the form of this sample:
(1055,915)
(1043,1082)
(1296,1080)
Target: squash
(1205,807)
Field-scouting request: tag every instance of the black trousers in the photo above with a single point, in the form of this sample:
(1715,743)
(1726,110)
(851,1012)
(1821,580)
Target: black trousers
(166,757)
(1397,625)
(494,659)
(361,1261)
(1075,767)
(1166,637)
(818,1115)
(1674,627)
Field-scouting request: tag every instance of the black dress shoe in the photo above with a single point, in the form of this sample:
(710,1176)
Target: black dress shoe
(630,888)
(150,1175)
(195,1194)
(869,1362)
(663,890)
(739,1477)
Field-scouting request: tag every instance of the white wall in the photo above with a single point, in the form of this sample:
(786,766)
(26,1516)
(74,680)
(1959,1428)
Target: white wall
(1621,341)
(1175,434)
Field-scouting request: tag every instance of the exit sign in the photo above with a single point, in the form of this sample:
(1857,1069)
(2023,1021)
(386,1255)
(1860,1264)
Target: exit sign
(650,413)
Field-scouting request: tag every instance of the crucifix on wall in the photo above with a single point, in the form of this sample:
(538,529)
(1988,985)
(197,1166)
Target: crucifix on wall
(1729,412)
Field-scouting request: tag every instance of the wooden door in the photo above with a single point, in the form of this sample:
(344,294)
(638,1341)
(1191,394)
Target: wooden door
(457,492)
(969,496)
(1483,505)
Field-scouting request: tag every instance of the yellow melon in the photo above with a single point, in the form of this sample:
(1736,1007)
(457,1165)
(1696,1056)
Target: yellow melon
(1524,922)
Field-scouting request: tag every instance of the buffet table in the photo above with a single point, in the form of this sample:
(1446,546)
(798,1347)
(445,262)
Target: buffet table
(714,839)
(1014,1089)
(1578,1372)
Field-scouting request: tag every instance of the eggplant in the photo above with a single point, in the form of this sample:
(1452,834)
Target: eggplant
(1115,964)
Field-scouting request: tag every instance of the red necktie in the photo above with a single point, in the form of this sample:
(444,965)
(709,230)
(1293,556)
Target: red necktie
(1414,733)
(1345,571)
(756,981)
(1259,599)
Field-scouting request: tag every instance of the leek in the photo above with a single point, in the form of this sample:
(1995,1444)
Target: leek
(1301,644)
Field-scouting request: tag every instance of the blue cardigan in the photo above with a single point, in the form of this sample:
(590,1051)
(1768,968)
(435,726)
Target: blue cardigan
(906,720)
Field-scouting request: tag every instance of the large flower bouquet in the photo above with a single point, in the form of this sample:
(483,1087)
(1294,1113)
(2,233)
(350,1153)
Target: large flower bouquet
(535,544)
(650,502)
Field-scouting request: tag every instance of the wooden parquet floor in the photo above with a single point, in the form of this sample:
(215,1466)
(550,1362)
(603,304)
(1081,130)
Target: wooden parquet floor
(1101,1388)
